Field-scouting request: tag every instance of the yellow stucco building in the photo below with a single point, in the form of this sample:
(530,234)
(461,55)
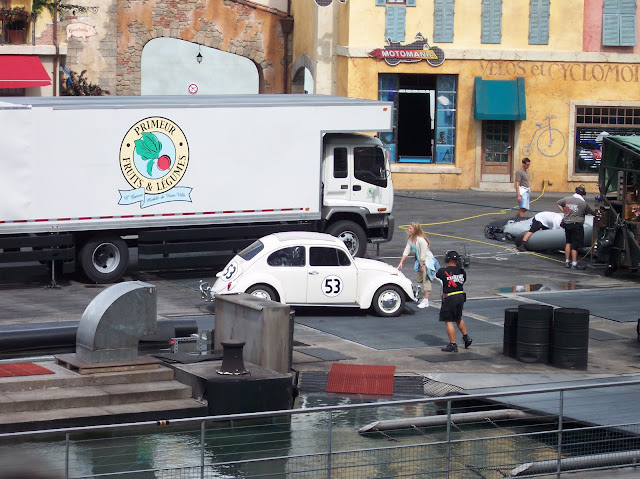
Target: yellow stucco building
(478,85)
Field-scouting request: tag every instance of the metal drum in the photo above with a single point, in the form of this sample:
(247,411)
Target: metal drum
(570,338)
(534,333)
(509,344)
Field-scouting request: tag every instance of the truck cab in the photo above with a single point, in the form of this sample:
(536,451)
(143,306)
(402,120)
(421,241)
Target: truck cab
(357,190)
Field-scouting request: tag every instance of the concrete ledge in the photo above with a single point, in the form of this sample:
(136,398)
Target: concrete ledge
(495,187)
(425,169)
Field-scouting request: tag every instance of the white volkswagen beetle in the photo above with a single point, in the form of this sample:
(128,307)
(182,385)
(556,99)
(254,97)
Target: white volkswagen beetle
(312,269)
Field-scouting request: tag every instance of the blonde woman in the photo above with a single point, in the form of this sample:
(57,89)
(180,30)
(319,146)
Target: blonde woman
(418,247)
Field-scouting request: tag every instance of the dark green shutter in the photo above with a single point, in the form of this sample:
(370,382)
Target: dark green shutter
(491,31)
(443,11)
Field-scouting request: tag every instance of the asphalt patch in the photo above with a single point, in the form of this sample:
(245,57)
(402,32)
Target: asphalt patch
(491,308)
(446,357)
(599,335)
(406,331)
(324,354)
(620,305)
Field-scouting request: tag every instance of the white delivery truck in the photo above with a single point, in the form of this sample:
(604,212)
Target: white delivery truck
(188,181)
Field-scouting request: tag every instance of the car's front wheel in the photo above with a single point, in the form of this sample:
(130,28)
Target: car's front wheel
(388,301)
(263,291)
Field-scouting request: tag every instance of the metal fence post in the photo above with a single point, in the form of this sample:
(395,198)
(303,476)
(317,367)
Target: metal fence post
(66,456)
(560,413)
(202,450)
(329,446)
(448,450)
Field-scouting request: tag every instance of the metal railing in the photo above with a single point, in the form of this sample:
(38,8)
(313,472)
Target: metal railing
(555,430)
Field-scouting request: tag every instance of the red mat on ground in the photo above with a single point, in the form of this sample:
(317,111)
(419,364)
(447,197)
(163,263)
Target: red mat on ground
(360,379)
(22,369)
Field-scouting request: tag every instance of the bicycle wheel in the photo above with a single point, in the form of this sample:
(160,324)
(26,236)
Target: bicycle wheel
(527,150)
(550,142)
(436,62)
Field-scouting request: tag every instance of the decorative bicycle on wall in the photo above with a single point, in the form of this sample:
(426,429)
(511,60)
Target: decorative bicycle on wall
(550,140)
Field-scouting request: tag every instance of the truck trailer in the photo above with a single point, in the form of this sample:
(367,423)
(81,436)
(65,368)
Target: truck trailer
(188,181)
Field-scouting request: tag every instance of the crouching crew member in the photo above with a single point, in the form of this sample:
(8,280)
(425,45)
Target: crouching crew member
(453,278)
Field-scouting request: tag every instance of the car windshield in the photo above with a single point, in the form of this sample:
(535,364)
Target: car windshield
(250,251)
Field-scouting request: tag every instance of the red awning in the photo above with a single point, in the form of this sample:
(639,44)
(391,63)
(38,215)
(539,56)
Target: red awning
(22,71)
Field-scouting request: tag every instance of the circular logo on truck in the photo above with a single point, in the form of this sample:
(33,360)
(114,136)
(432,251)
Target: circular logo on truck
(154,155)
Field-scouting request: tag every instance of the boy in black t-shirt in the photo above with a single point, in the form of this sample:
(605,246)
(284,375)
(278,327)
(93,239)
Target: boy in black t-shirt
(452,278)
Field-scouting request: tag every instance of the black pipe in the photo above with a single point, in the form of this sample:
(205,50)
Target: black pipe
(53,337)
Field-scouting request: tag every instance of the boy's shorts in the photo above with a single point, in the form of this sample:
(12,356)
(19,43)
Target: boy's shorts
(451,309)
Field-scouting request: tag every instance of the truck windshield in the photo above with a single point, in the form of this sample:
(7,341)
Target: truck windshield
(369,165)
(251,250)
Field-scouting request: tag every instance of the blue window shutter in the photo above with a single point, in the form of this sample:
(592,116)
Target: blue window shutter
(390,24)
(627,7)
(443,11)
(610,29)
(395,20)
(485,33)
(628,30)
(611,6)
(534,22)
(491,30)
(539,11)
(381,3)
(401,22)
(496,19)
(411,3)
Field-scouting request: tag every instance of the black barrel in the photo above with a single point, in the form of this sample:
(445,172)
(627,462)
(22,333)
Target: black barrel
(570,338)
(534,333)
(509,343)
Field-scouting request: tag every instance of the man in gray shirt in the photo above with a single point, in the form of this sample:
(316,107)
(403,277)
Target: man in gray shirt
(574,208)
(522,187)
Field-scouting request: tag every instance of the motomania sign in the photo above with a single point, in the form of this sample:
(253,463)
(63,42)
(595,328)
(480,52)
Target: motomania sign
(395,52)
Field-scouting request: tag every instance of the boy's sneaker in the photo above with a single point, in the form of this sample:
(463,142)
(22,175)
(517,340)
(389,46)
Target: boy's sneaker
(467,341)
(567,264)
(424,303)
(578,266)
(450,348)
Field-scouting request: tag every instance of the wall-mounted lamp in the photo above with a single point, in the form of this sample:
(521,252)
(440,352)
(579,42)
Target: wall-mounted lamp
(199,55)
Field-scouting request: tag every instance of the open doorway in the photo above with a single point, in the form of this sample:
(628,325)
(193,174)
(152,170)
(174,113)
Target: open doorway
(416,119)
(424,120)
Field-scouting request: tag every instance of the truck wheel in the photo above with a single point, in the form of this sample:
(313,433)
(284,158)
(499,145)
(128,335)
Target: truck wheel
(388,301)
(104,259)
(352,235)
(263,291)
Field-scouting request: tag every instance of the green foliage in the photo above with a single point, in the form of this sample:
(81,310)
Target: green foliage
(77,85)
(148,148)
(52,6)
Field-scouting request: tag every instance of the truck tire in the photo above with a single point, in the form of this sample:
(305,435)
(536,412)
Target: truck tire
(352,235)
(104,259)
(263,291)
(388,301)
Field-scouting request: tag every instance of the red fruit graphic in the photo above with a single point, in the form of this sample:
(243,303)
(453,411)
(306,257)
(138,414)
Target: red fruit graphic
(164,163)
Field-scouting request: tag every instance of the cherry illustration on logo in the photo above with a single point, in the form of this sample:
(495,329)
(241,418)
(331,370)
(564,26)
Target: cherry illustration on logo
(164,163)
